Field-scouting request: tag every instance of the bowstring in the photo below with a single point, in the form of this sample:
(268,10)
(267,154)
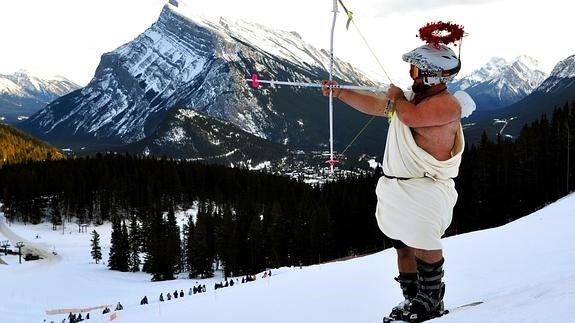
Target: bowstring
(350,19)
(371,51)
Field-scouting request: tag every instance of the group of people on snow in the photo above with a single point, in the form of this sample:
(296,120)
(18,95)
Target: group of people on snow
(246,279)
(73,318)
(198,288)
(169,295)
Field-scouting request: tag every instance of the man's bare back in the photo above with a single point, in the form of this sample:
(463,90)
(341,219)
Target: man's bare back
(438,140)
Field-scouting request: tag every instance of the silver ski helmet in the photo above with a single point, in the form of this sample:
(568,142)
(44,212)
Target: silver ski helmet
(437,64)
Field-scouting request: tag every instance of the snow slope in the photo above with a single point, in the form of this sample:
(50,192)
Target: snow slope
(523,271)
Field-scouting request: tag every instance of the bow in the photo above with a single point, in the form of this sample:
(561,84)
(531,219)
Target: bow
(331,161)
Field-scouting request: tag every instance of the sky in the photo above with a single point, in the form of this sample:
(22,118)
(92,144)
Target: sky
(67,37)
(522,272)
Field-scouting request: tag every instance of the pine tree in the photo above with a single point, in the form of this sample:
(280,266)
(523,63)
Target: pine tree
(163,254)
(113,262)
(154,257)
(119,254)
(255,253)
(189,234)
(96,249)
(202,257)
(124,254)
(277,253)
(134,244)
(173,245)
(56,218)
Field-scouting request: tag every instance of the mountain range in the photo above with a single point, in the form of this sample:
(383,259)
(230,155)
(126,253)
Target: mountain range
(23,94)
(555,91)
(501,83)
(180,89)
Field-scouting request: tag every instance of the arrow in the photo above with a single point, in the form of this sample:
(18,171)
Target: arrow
(255,83)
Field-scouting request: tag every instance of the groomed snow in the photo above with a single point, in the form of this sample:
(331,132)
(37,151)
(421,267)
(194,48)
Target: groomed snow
(523,272)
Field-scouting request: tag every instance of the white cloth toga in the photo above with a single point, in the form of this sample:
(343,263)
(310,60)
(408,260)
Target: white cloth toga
(417,210)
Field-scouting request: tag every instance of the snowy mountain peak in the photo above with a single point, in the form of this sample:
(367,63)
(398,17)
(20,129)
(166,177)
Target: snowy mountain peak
(22,94)
(489,71)
(562,77)
(530,63)
(565,68)
(278,43)
(23,83)
(24,79)
(496,66)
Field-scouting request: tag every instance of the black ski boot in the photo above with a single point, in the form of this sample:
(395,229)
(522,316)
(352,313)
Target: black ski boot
(428,303)
(408,284)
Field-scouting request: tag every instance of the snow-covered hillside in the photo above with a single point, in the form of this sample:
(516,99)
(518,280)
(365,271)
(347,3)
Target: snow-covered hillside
(523,272)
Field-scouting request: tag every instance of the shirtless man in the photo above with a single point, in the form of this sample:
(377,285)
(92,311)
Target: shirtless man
(416,194)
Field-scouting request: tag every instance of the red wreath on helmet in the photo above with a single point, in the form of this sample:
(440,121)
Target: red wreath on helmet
(435,33)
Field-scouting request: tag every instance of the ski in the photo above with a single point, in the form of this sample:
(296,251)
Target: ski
(445,312)
(460,307)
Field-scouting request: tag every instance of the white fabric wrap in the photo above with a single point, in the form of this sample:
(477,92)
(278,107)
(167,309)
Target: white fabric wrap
(416,211)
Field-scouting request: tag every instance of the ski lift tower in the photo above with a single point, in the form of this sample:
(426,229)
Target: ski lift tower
(19,245)
(5,244)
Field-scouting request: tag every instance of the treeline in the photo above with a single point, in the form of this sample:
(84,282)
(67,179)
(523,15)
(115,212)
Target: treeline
(505,179)
(249,221)
(17,146)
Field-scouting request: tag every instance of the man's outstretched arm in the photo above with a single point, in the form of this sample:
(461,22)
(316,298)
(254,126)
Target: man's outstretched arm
(362,102)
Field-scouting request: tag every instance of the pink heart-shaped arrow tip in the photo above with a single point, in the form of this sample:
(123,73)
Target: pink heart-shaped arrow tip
(255,81)
(332,162)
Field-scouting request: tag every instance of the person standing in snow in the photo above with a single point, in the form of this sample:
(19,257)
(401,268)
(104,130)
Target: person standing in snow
(416,194)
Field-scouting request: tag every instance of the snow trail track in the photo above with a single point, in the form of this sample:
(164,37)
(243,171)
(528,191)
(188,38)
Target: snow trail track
(29,247)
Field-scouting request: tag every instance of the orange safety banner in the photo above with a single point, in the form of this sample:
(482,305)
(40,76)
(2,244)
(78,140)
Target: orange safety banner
(74,310)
